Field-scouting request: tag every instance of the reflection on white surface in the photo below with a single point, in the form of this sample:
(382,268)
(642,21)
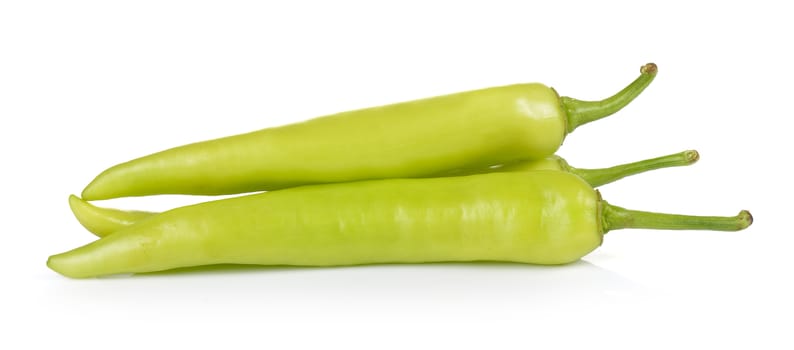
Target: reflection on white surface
(449,286)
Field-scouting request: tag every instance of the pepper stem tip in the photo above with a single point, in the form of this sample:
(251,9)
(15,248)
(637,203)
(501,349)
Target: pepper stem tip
(745,219)
(649,68)
(691,156)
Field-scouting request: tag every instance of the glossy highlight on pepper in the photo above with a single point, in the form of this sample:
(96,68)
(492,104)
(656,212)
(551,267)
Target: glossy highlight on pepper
(466,130)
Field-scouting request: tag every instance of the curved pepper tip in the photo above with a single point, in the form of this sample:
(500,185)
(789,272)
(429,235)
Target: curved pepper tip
(89,216)
(87,192)
(77,206)
(65,264)
(74,199)
(52,263)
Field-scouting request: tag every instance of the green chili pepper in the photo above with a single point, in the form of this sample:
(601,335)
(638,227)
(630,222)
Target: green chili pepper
(104,221)
(472,129)
(541,217)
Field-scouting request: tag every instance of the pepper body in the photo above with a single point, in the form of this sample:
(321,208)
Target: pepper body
(466,130)
(104,221)
(543,217)
(547,163)
(420,138)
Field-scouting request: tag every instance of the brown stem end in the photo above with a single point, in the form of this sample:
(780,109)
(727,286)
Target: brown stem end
(649,68)
(745,219)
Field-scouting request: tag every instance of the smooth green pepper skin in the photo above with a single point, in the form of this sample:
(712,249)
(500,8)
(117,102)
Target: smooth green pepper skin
(543,217)
(104,221)
(420,138)
(413,139)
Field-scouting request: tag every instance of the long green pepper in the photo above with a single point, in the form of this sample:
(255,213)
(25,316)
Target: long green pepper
(540,217)
(467,130)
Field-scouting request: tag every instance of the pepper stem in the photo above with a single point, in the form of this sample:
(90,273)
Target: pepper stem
(603,176)
(616,218)
(582,112)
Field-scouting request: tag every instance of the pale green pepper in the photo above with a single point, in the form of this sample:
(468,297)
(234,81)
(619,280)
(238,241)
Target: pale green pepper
(539,217)
(467,130)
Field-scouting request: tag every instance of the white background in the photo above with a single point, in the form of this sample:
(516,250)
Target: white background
(87,84)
